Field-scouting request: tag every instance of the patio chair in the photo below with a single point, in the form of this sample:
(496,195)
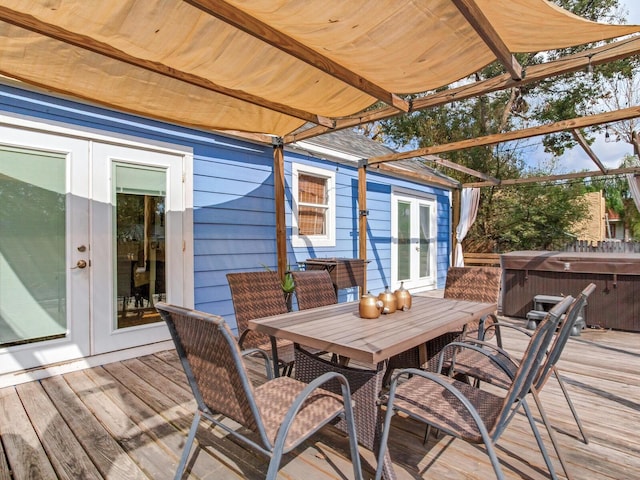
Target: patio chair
(477,284)
(314,288)
(255,295)
(471,414)
(481,365)
(279,414)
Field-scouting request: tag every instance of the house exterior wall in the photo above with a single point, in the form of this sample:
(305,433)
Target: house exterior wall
(234,211)
(379,188)
(592,228)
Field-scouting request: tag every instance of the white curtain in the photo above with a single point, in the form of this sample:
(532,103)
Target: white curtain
(469,200)
(634,189)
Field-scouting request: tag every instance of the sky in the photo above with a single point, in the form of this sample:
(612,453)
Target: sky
(610,153)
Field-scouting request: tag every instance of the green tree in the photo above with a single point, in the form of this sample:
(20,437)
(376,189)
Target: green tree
(548,216)
(618,197)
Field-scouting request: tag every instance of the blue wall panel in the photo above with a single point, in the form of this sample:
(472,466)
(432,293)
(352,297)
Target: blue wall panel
(234,212)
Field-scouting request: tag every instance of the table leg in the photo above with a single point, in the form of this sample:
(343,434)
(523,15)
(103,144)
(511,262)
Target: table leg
(274,357)
(365,387)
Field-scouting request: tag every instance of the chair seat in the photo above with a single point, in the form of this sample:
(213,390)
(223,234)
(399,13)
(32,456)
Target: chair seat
(472,364)
(274,400)
(435,405)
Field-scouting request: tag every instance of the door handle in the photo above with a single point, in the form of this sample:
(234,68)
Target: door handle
(80,264)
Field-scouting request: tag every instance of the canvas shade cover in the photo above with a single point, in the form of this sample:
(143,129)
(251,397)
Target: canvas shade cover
(174,60)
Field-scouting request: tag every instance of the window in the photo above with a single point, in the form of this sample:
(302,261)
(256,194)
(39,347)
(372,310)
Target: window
(313,206)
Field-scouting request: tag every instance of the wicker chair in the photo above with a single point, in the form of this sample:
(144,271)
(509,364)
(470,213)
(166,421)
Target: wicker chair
(255,295)
(477,284)
(481,365)
(466,412)
(280,414)
(314,288)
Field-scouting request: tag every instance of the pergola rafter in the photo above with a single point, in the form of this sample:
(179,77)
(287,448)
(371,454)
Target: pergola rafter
(571,124)
(473,13)
(555,178)
(588,150)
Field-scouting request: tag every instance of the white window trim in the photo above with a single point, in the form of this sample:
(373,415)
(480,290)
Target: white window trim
(328,240)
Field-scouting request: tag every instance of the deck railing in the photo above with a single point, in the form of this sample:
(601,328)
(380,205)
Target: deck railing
(482,259)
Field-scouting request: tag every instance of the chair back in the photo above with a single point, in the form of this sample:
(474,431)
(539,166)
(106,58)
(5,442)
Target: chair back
(475,284)
(213,364)
(562,336)
(254,295)
(531,362)
(314,288)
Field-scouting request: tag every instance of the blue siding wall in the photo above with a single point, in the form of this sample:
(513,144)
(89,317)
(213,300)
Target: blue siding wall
(379,189)
(234,213)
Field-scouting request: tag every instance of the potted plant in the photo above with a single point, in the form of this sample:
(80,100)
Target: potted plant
(287,286)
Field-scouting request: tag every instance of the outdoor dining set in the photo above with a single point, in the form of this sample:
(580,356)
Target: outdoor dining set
(327,363)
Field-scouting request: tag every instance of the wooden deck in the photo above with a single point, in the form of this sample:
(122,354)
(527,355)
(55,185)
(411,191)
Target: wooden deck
(129,420)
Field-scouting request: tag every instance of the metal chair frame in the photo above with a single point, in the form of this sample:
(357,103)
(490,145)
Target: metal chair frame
(526,374)
(198,365)
(502,373)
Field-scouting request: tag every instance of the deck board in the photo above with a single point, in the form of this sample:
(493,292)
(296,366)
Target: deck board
(107,454)
(64,450)
(129,420)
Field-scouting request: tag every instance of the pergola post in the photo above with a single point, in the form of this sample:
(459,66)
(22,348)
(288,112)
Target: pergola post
(281,225)
(362,218)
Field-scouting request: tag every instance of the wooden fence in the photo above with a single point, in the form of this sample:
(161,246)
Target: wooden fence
(493,259)
(603,247)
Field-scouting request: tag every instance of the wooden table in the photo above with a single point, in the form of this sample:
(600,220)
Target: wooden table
(339,329)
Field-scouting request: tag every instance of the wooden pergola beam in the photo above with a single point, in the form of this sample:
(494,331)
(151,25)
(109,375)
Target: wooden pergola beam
(31,23)
(535,73)
(419,177)
(279,198)
(480,23)
(462,168)
(362,219)
(554,178)
(587,148)
(266,33)
(574,123)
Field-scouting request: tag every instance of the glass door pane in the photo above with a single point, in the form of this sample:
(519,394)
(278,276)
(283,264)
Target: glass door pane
(404,240)
(140,243)
(425,241)
(33,289)
(414,233)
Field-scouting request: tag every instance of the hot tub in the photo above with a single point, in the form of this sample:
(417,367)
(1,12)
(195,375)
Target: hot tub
(614,304)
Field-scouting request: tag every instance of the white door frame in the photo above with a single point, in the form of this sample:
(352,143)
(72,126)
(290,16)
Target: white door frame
(83,344)
(75,344)
(416,199)
(105,336)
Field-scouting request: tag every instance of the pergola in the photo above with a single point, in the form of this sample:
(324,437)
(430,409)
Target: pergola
(261,69)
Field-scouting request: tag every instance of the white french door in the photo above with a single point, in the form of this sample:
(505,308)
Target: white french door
(44,249)
(137,233)
(414,248)
(92,235)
